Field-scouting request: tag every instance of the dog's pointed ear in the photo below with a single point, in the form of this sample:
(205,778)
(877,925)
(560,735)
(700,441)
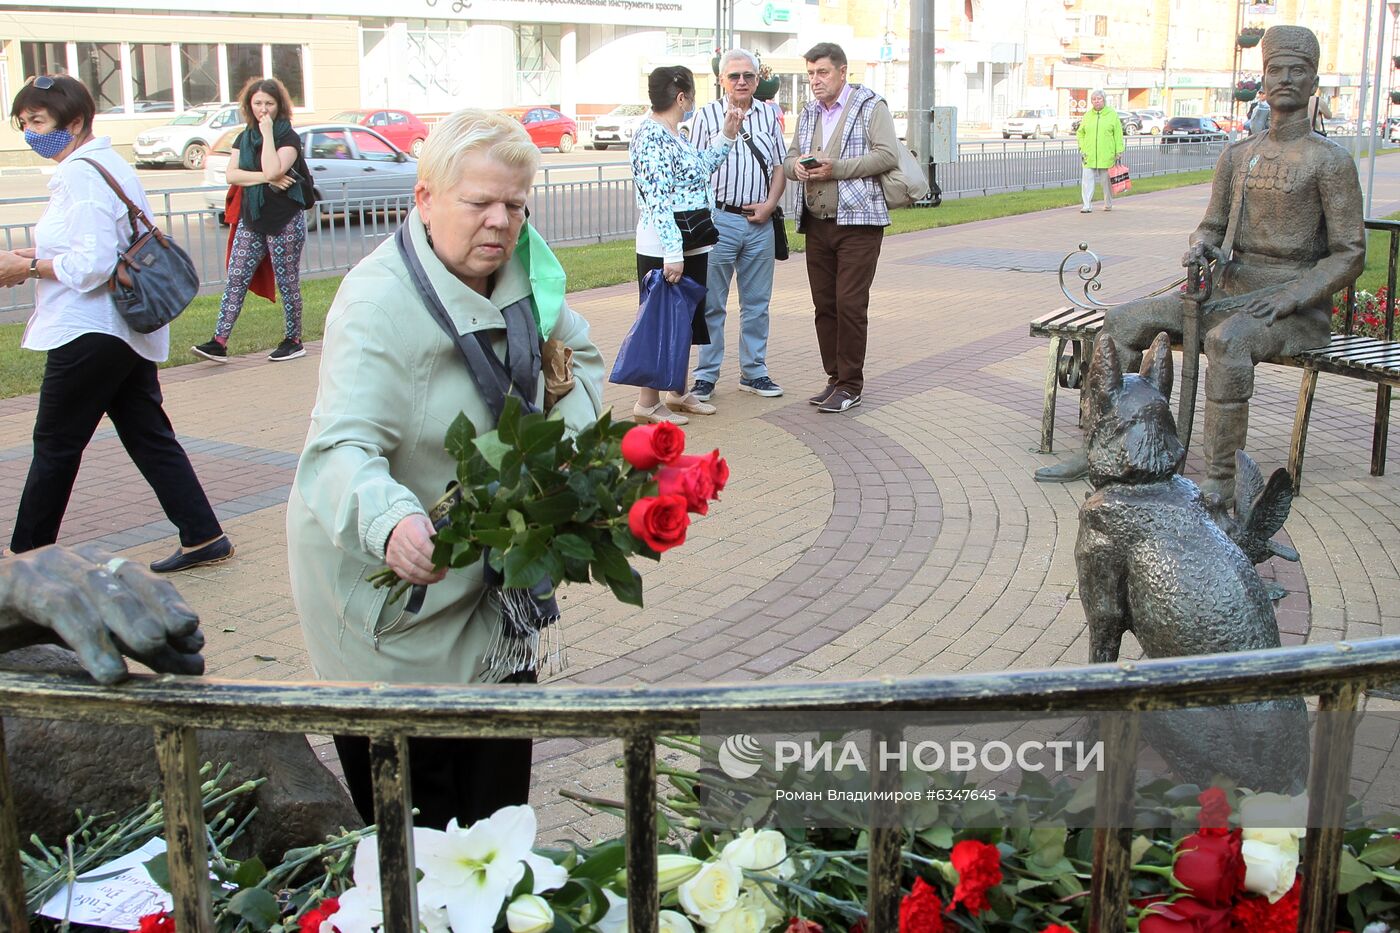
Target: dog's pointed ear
(1105,379)
(1157,364)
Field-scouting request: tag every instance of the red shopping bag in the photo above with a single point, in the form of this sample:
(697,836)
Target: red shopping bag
(1118,180)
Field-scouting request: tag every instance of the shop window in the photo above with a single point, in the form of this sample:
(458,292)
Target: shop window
(43,58)
(199,73)
(152,90)
(286,67)
(245,62)
(100,68)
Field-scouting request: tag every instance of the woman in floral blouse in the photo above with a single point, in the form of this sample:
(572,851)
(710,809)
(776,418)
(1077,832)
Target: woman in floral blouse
(671,175)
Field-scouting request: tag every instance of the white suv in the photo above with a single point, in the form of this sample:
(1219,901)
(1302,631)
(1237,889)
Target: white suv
(1036,121)
(616,127)
(185,140)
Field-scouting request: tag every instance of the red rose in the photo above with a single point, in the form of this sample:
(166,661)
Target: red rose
(1056,928)
(858,926)
(1187,915)
(979,869)
(796,925)
(921,911)
(1210,867)
(713,464)
(691,483)
(1214,817)
(1257,915)
(156,923)
(648,445)
(660,521)
(311,920)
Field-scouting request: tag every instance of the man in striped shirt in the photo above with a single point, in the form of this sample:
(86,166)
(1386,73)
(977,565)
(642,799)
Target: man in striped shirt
(748,187)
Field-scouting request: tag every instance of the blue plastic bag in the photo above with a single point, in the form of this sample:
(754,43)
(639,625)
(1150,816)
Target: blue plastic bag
(655,354)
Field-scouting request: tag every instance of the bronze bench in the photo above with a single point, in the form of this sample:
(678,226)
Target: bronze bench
(1350,355)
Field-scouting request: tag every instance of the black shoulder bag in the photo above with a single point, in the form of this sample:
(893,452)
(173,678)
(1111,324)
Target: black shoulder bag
(527,616)
(780,240)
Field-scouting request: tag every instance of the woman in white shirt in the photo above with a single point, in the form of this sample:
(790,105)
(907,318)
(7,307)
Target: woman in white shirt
(96,364)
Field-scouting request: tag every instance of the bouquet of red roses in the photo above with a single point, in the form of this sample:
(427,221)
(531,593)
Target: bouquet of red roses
(544,509)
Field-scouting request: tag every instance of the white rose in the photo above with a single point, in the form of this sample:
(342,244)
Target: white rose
(1275,810)
(770,850)
(529,913)
(713,891)
(744,917)
(742,851)
(673,870)
(1285,839)
(753,894)
(1380,926)
(1270,870)
(671,922)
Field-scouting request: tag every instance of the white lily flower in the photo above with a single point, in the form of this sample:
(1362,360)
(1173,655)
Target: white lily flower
(361,911)
(615,920)
(472,871)
(529,913)
(548,875)
(673,870)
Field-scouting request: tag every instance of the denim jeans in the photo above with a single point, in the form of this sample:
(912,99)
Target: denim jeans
(746,249)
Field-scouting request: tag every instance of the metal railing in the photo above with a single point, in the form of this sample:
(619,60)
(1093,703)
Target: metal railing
(1337,673)
(592,202)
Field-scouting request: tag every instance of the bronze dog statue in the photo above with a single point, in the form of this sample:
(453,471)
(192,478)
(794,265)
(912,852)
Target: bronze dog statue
(1154,560)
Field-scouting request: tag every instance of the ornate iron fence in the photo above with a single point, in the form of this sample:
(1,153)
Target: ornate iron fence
(175,707)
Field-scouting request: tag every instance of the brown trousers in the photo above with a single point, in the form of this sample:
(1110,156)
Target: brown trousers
(841,264)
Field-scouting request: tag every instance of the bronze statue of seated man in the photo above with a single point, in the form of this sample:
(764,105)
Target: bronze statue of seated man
(1285,230)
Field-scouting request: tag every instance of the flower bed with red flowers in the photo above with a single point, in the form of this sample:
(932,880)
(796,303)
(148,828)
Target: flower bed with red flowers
(1370,313)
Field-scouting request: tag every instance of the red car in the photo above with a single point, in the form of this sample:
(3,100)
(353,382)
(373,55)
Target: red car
(548,128)
(400,127)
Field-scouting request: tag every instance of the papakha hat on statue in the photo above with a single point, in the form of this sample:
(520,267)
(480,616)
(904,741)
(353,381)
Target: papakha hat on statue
(1291,40)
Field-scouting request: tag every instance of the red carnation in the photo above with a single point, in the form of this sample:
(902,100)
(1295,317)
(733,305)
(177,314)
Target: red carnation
(1257,915)
(921,911)
(1186,915)
(659,521)
(979,869)
(648,445)
(311,920)
(1214,817)
(156,923)
(713,464)
(797,925)
(691,483)
(1210,867)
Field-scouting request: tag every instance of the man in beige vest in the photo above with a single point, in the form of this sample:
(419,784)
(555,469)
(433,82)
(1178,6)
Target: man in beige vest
(845,140)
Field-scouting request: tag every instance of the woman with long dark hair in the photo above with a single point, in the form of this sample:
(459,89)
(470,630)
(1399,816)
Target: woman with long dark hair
(672,175)
(266,164)
(96,364)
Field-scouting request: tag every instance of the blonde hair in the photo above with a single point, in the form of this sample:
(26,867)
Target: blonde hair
(459,135)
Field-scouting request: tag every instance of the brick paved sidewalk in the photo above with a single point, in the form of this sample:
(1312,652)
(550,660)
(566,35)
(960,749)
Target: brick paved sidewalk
(906,537)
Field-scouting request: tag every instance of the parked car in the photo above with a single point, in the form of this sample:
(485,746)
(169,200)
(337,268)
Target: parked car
(1191,129)
(1151,121)
(400,127)
(615,128)
(348,162)
(1035,121)
(185,140)
(1228,123)
(548,128)
(1127,119)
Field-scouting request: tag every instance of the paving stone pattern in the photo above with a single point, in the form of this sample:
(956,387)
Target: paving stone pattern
(903,538)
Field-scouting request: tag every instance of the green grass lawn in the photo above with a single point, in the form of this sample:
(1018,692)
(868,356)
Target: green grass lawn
(1377,258)
(592,266)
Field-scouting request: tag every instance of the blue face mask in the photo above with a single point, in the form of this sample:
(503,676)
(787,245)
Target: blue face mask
(48,144)
(687,115)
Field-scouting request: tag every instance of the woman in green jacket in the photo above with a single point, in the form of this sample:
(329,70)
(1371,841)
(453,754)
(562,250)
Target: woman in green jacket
(1100,144)
(391,382)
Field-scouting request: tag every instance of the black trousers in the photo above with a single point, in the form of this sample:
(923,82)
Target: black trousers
(461,779)
(84,379)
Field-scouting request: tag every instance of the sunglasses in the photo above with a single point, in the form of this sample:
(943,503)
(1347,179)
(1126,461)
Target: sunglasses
(736,76)
(42,82)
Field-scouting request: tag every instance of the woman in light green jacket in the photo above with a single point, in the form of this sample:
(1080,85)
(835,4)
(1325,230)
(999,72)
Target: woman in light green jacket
(1100,137)
(391,382)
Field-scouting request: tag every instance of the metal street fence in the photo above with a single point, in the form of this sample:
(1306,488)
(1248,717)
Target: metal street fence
(590,203)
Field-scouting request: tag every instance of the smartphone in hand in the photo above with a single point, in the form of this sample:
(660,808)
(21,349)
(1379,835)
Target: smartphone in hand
(809,162)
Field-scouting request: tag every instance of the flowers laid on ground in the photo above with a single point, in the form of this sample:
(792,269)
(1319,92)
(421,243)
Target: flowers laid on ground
(542,506)
(1370,313)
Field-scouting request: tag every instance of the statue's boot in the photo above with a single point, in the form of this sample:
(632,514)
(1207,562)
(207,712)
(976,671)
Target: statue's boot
(1075,466)
(1226,426)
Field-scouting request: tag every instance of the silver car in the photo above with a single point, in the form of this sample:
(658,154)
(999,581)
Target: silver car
(353,168)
